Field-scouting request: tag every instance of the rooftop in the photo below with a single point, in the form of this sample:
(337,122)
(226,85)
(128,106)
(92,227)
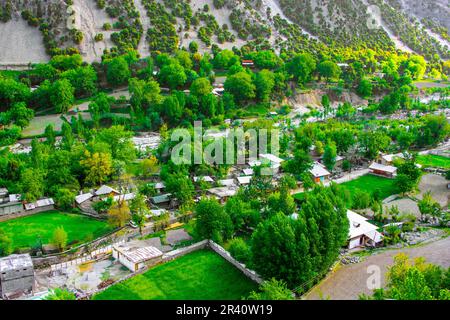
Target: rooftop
(137,251)
(382,167)
(359,226)
(15,261)
(319,171)
(103,190)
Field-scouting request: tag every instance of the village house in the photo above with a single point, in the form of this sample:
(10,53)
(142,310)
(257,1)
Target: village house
(388,159)
(222,193)
(382,170)
(319,173)
(159,187)
(361,232)
(244,180)
(9,203)
(83,197)
(106,191)
(163,200)
(136,255)
(16,275)
(40,205)
(248,63)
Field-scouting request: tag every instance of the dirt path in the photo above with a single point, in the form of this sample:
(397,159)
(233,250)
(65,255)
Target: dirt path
(143,47)
(350,280)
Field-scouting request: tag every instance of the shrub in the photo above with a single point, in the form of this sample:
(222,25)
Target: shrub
(240,250)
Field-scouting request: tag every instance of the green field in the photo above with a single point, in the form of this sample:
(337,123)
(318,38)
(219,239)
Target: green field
(24,232)
(201,275)
(370,183)
(431,160)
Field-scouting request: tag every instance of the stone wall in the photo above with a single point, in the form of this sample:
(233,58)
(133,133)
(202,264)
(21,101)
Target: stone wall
(227,256)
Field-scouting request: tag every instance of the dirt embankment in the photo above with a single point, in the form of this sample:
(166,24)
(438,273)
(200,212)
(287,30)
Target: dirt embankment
(313,98)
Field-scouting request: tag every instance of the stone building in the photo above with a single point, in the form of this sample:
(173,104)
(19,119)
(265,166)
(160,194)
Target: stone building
(16,275)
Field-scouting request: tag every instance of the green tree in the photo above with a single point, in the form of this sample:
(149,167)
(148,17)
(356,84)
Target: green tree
(60,294)
(64,199)
(180,187)
(62,95)
(272,290)
(240,250)
(83,80)
(5,244)
(201,87)
(428,206)
(32,184)
(212,221)
(302,67)
(365,88)
(50,135)
(329,70)
(298,250)
(329,156)
(264,83)
(59,238)
(173,75)
(241,86)
(139,211)
(118,71)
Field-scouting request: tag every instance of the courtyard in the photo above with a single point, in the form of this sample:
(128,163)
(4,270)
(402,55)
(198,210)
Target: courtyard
(198,275)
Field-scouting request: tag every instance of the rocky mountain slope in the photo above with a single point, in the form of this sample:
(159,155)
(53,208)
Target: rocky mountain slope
(96,27)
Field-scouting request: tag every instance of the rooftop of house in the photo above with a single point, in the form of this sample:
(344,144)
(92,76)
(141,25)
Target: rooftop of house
(222,192)
(104,190)
(244,180)
(271,157)
(359,226)
(227,182)
(138,251)
(382,167)
(319,171)
(83,197)
(205,178)
(15,262)
(161,198)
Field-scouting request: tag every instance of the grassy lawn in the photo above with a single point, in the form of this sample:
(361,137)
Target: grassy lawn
(431,160)
(370,183)
(24,231)
(199,275)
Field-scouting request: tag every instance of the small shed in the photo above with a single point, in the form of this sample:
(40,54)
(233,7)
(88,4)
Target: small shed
(136,255)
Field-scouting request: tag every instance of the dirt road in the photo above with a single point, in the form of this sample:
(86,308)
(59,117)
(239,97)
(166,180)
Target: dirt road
(349,281)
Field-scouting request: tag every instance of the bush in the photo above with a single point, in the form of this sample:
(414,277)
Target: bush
(360,200)
(240,250)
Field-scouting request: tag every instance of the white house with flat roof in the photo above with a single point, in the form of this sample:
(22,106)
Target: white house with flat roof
(136,255)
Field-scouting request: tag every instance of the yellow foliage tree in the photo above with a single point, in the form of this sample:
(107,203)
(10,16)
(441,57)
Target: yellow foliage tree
(119,214)
(97,167)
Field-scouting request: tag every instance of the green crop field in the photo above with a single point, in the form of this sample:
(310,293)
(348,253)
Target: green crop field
(199,275)
(431,160)
(370,183)
(24,231)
